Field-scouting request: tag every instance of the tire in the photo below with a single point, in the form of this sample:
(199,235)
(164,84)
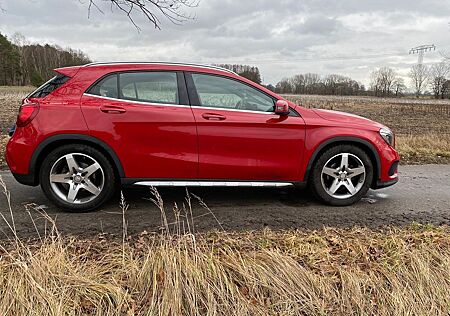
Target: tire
(336,183)
(77,178)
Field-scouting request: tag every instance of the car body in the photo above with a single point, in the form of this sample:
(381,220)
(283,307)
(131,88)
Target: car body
(184,124)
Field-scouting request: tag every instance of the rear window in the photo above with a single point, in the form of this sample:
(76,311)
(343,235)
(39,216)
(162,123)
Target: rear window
(152,87)
(107,87)
(49,86)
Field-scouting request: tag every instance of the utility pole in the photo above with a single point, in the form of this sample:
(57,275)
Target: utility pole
(421,50)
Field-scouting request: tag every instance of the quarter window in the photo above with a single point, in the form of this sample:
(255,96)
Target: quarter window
(152,87)
(220,92)
(49,86)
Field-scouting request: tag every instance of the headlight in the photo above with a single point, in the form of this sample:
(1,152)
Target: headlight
(388,136)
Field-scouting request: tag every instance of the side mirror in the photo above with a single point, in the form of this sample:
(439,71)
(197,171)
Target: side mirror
(282,107)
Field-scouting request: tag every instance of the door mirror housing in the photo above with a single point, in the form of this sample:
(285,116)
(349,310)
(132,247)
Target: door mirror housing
(282,107)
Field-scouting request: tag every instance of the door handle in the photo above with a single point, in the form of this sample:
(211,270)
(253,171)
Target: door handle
(213,117)
(112,109)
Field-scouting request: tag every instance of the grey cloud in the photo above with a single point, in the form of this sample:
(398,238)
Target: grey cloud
(281,37)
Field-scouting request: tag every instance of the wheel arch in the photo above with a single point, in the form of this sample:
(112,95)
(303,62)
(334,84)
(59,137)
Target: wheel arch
(365,145)
(53,142)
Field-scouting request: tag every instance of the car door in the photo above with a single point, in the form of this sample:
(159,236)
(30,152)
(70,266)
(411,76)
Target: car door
(146,119)
(239,135)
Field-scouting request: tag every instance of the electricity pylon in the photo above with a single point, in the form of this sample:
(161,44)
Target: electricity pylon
(421,50)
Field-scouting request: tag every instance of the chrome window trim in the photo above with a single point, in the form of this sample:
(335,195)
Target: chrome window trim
(138,102)
(233,110)
(169,183)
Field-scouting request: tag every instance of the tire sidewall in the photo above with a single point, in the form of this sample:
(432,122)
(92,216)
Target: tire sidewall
(53,156)
(316,181)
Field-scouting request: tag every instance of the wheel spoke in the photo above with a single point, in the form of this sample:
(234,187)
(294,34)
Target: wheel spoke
(350,187)
(91,169)
(73,166)
(335,186)
(356,171)
(73,191)
(60,178)
(330,172)
(344,161)
(90,187)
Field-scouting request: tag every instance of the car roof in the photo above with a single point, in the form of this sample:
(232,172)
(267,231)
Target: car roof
(193,66)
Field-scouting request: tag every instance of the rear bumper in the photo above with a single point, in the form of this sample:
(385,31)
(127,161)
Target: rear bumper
(26,179)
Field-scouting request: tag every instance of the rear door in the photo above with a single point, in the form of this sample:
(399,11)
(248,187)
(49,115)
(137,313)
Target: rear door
(239,135)
(146,118)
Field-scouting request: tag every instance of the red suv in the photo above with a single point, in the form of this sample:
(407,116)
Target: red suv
(94,127)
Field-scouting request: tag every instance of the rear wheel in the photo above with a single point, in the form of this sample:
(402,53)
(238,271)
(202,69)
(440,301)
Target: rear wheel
(342,175)
(77,178)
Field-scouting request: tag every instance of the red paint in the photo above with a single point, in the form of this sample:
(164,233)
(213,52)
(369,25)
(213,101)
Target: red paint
(158,141)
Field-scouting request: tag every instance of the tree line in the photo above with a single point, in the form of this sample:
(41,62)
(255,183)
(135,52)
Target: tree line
(22,63)
(250,72)
(311,83)
(432,79)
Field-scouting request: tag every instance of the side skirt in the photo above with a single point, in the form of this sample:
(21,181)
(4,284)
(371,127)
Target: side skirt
(208,183)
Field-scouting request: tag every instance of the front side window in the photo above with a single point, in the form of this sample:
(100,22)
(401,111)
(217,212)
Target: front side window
(152,87)
(49,86)
(107,87)
(220,92)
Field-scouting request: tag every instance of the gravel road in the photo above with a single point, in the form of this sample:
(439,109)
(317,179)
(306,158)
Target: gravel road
(422,195)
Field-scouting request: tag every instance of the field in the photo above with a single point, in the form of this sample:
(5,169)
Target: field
(422,126)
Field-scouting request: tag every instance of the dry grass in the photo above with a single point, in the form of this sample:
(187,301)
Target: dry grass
(424,148)
(3,141)
(323,272)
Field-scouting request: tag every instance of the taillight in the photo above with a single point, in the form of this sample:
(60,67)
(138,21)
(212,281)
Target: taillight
(27,113)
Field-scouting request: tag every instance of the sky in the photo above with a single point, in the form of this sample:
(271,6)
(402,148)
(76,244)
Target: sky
(282,38)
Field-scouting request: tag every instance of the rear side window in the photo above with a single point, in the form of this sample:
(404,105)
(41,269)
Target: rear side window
(49,86)
(107,87)
(152,87)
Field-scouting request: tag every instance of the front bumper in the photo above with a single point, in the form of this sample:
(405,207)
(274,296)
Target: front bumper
(384,184)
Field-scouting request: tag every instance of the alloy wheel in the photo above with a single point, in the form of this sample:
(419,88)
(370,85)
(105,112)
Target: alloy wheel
(77,178)
(343,175)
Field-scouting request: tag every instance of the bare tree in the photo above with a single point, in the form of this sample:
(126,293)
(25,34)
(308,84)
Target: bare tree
(152,10)
(438,78)
(383,81)
(399,86)
(419,75)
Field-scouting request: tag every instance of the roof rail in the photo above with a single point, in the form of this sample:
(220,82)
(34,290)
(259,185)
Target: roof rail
(160,63)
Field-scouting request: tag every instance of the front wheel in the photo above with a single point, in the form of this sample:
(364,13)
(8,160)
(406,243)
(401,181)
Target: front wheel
(342,175)
(77,178)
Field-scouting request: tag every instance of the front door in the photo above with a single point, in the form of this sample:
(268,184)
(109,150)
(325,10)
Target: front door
(239,136)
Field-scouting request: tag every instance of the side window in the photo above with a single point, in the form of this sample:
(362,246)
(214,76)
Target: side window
(220,92)
(153,87)
(107,87)
(49,86)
